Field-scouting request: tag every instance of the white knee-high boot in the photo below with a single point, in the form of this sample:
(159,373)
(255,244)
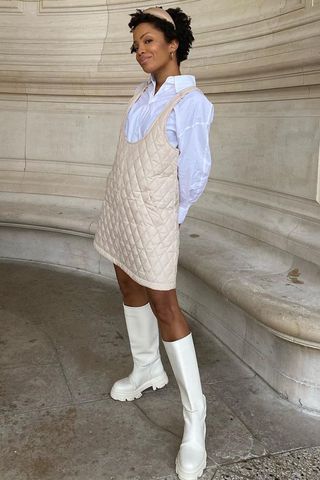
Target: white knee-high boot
(148,371)
(192,455)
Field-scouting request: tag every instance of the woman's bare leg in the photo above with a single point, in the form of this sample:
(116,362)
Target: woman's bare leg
(172,323)
(164,303)
(143,332)
(134,294)
(179,346)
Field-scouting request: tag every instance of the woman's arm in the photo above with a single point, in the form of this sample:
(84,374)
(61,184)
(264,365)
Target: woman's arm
(193,123)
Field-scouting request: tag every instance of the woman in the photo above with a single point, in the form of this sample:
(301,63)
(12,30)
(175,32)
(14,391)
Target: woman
(161,167)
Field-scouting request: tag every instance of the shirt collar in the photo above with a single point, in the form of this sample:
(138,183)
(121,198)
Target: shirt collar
(179,81)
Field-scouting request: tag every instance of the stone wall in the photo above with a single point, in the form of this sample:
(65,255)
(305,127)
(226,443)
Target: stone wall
(66,74)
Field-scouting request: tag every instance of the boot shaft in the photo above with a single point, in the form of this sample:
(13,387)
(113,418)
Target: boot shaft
(183,360)
(143,333)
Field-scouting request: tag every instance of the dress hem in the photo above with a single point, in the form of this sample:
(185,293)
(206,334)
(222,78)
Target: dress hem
(141,281)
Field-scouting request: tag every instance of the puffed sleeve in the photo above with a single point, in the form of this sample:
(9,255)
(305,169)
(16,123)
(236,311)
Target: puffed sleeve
(194,116)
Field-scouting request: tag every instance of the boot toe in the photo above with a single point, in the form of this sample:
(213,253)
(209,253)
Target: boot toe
(191,458)
(123,390)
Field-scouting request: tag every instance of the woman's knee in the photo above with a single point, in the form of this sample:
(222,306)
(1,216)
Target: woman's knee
(164,304)
(127,285)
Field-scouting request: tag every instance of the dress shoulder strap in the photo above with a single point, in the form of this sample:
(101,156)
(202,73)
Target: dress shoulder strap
(139,91)
(165,113)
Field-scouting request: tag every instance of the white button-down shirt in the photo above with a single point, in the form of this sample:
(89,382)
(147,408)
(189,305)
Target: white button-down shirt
(188,128)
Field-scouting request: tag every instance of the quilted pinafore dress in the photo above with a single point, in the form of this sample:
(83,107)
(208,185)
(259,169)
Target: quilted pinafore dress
(138,226)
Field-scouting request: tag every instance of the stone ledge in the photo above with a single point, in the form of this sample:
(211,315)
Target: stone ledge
(291,225)
(280,290)
(261,301)
(73,214)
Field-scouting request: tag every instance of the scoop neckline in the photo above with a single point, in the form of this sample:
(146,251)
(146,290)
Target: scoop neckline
(145,135)
(151,126)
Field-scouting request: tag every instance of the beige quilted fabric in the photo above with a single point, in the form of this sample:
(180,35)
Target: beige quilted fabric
(138,227)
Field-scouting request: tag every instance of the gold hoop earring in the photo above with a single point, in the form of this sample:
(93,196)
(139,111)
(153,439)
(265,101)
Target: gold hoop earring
(171,55)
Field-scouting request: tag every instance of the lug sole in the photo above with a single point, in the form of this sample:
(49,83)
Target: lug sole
(155,383)
(182,475)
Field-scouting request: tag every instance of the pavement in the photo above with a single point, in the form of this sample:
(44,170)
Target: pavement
(63,343)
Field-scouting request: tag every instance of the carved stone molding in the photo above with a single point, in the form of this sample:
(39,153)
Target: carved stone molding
(11,6)
(119,5)
(71,6)
(239,46)
(74,6)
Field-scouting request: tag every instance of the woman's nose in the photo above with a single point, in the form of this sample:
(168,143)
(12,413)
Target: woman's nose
(140,50)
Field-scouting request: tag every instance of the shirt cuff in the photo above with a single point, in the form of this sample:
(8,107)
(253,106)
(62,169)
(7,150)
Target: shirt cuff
(182,214)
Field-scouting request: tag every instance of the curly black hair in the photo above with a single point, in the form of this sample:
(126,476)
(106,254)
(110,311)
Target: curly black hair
(182,32)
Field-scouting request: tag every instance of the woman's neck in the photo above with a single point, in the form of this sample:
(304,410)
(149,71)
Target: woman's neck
(161,77)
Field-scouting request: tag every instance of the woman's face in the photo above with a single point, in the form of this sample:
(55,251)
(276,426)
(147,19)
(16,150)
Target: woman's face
(152,49)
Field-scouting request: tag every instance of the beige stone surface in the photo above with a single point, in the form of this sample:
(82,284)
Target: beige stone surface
(65,77)
(58,421)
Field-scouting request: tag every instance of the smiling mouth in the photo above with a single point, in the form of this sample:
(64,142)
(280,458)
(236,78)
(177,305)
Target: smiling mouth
(142,62)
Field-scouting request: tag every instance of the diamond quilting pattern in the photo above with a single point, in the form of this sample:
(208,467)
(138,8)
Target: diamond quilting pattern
(138,226)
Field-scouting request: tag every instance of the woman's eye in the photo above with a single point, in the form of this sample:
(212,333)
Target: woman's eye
(134,49)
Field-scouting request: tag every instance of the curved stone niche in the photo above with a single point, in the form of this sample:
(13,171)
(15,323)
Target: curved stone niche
(65,78)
